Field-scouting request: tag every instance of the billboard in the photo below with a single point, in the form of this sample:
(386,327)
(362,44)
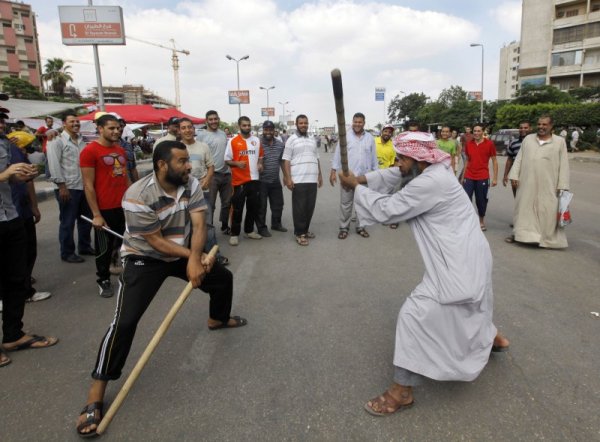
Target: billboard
(239,97)
(267,111)
(91,25)
(379,94)
(474,95)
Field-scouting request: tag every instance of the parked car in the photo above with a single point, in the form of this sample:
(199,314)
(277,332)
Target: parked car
(502,139)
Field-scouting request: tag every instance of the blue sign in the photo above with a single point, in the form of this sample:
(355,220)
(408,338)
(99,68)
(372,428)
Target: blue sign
(379,96)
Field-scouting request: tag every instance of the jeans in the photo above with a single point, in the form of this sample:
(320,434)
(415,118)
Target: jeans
(274,194)
(221,184)
(480,188)
(69,215)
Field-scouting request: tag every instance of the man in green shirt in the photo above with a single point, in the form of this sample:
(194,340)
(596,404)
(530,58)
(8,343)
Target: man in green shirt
(448,145)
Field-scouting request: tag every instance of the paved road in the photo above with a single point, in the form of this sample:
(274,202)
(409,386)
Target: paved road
(320,342)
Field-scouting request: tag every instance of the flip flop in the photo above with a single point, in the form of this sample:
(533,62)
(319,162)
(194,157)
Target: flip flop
(239,322)
(386,401)
(363,233)
(90,419)
(29,343)
(483,228)
(498,349)
(302,240)
(343,234)
(6,360)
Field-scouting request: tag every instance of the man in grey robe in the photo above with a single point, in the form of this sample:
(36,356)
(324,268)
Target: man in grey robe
(540,172)
(444,329)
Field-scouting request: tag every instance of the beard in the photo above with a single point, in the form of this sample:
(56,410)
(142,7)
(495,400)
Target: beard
(412,173)
(177,179)
(245,132)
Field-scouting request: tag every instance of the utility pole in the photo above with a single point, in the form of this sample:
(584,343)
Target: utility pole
(267,89)
(237,62)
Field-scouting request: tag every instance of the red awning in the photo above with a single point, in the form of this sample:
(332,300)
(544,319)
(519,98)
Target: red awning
(143,113)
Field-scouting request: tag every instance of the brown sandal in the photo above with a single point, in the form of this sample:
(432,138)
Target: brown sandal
(385,405)
(301,240)
(343,234)
(363,233)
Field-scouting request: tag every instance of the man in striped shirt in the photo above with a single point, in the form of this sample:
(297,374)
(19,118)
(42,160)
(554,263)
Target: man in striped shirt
(165,236)
(270,182)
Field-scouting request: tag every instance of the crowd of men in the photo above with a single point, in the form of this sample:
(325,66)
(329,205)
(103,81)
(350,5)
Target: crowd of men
(149,228)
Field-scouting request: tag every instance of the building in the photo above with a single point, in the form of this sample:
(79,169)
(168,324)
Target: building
(508,80)
(129,94)
(560,43)
(19,49)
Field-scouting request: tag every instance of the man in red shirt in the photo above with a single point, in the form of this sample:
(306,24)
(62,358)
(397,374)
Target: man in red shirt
(476,179)
(41,132)
(244,155)
(104,169)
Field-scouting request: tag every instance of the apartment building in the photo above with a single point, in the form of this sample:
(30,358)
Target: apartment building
(19,49)
(560,43)
(129,94)
(508,80)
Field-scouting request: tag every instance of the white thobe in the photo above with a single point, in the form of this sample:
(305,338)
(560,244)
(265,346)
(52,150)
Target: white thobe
(444,329)
(542,170)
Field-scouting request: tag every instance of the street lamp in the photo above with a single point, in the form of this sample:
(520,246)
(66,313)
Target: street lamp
(245,57)
(267,89)
(481,106)
(283,111)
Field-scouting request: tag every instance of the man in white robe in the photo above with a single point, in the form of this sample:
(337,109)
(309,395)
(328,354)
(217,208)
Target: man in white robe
(444,329)
(540,172)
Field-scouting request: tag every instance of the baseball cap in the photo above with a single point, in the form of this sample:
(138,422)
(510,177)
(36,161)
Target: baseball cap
(268,124)
(388,126)
(173,120)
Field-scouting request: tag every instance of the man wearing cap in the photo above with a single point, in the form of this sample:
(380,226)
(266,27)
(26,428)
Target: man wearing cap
(221,182)
(13,259)
(172,131)
(444,330)
(385,149)
(63,163)
(270,181)
(362,158)
(244,155)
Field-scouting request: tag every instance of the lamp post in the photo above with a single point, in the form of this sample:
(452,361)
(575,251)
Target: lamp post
(481,106)
(283,111)
(245,57)
(267,89)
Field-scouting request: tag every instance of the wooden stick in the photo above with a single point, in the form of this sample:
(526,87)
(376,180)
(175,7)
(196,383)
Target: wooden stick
(139,366)
(338,95)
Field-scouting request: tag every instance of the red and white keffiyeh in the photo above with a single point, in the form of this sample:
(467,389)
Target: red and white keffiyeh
(420,146)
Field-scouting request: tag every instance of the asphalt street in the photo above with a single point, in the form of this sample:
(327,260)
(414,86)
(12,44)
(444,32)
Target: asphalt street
(320,341)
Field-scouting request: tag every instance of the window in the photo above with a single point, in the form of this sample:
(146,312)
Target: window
(28,40)
(569,58)
(595,6)
(31,65)
(592,57)
(10,51)
(572,13)
(568,35)
(6,24)
(593,30)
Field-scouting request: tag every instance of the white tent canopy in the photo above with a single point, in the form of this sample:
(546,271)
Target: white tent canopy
(21,109)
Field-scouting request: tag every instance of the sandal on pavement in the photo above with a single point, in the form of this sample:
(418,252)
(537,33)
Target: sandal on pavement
(483,227)
(509,239)
(363,233)
(310,235)
(29,344)
(393,226)
(343,234)
(90,419)
(385,405)
(4,359)
(239,322)
(301,240)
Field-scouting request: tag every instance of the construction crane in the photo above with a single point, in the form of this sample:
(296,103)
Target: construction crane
(175,60)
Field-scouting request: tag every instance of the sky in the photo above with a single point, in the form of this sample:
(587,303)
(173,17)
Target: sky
(404,46)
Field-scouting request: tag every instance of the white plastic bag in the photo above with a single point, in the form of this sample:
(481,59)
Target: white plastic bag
(564,215)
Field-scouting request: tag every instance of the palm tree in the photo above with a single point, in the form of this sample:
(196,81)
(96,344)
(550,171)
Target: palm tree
(57,73)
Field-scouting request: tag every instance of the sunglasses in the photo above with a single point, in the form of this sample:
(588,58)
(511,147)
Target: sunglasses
(110,160)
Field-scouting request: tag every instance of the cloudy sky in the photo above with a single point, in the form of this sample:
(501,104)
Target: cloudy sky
(402,45)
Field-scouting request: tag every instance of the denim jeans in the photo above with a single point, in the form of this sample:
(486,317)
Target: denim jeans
(70,213)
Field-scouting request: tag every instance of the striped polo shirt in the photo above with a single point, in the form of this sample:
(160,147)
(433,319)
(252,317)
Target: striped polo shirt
(148,209)
(271,160)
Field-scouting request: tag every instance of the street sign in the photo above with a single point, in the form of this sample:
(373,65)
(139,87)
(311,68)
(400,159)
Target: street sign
(379,94)
(267,111)
(91,25)
(239,97)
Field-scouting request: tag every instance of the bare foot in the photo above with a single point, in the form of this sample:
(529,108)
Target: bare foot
(396,398)
(500,343)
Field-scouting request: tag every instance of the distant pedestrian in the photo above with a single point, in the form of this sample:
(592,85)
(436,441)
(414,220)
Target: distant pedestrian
(513,149)
(172,131)
(574,140)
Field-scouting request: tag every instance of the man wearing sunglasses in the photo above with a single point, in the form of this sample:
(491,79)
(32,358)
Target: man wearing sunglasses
(104,169)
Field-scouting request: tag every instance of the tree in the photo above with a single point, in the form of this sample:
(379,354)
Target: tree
(19,88)
(530,94)
(57,73)
(407,106)
(586,93)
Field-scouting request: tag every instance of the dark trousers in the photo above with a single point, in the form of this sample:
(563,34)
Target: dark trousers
(69,215)
(480,188)
(106,242)
(31,252)
(246,194)
(13,270)
(221,185)
(138,284)
(304,198)
(274,194)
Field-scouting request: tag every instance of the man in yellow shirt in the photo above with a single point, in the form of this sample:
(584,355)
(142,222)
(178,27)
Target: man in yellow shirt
(385,149)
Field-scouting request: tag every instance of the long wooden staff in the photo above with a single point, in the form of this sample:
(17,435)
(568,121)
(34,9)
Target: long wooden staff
(338,95)
(139,366)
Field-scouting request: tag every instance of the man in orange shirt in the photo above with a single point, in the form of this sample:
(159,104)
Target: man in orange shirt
(244,155)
